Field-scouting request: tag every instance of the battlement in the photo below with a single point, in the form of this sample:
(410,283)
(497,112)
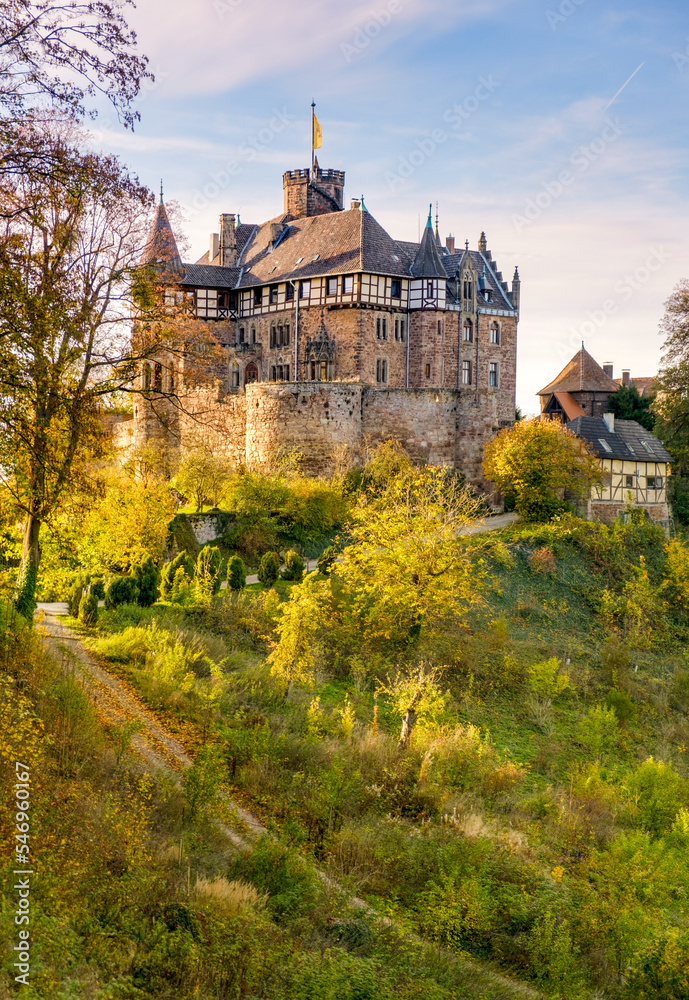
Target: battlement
(309,194)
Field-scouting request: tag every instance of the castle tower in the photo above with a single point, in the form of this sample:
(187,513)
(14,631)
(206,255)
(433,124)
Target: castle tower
(161,245)
(313,192)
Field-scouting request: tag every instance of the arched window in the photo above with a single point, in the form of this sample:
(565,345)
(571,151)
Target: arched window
(147,377)
(273,336)
(241,334)
(158,377)
(495,332)
(468,333)
(234,375)
(250,373)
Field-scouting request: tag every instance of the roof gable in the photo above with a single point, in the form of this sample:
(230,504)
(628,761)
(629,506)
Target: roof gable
(161,245)
(581,374)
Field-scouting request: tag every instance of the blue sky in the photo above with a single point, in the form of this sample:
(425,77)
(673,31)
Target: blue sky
(499,110)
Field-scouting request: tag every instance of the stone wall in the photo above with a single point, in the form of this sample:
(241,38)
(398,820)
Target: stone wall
(423,420)
(609,510)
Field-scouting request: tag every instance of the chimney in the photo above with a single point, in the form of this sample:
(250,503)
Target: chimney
(450,244)
(609,419)
(516,290)
(626,378)
(228,241)
(214,247)
(608,369)
(482,243)
(356,205)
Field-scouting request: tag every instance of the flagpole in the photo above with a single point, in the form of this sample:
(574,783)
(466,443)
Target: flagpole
(313,148)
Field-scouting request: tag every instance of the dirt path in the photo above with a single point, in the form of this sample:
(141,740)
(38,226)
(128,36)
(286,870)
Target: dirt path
(163,752)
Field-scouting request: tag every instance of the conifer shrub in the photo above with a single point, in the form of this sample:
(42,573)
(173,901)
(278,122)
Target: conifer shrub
(74,598)
(88,608)
(327,559)
(208,566)
(146,576)
(121,590)
(236,573)
(169,570)
(269,569)
(294,567)
(98,588)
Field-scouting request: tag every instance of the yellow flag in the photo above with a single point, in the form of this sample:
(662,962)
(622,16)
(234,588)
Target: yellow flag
(317,133)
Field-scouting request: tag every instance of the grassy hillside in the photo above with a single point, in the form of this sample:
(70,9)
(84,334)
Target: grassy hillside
(538,818)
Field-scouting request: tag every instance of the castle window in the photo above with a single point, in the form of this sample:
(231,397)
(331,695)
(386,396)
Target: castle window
(324,371)
(285,335)
(378,328)
(396,288)
(273,295)
(468,333)
(654,482)
(232,300)
(440,328)
(384,329)
(466,372)
(273,338)
(158,377)
(241,334)
(428,371)
(430,290)
(494,333)
(289,291)
(493,374)
(273,374)
(468,291)
(332,286)
(402,331)
(171,380)
(304,289)
(348,284)
(381,370)
(397,329)
(313,371)
(253,334)
(258,296)
(279,340)
(250,373)
(234,377)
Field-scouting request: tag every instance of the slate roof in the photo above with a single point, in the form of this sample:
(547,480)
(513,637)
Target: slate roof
(582,374)
(453,262)
(161,246)
(625,442)
(427,262)
(243,235)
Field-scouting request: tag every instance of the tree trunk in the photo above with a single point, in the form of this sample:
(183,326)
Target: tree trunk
(25,600)
(408,722)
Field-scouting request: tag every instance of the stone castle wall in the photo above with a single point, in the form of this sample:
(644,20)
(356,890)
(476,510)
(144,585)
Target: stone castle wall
(328,423)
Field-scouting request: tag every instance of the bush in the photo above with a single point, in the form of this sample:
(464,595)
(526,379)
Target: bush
(291,886)
(679,691)
(88,608)
(98,588)
(169,570)
(208,568)
(75,595)
(236,573)
(121,590)
(327,560)
(294,567)
(269,569)
(146,576)
(546,680)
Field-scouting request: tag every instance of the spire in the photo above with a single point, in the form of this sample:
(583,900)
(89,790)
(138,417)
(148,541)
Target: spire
(437,233)
(427,263)
(363,206)
(161,246)
(482,243)
(516,274)
(161,191)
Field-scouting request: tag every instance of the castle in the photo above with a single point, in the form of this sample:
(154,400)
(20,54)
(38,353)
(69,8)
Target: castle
(335,334)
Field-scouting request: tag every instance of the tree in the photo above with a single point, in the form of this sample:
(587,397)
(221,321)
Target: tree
(671,406)
(59,54)
(202,477)
(181,561)
(269,569)
(70,279)
(236,573)
(415,695)
(146,576)
(627,404)
(538,461)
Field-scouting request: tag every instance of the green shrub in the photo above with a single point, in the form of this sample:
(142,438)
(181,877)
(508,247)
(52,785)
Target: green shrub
(269,569)
(622,704)
(236,573)
(88,608)
(181,592)
(169,570)
(294,567)
(546,680)
(679,691)
(291,885)
(121,590)
(76,592)
(98,588)
(208,569)
(146,576)
(327,560)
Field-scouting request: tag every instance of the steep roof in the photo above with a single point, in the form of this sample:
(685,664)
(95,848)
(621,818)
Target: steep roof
(625,442)
(582,374)
(427,262)
(161,246)
(453,262)
(242,233)
(645,384)
(569,405)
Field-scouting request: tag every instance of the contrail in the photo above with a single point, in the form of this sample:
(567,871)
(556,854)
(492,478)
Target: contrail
(623,86)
